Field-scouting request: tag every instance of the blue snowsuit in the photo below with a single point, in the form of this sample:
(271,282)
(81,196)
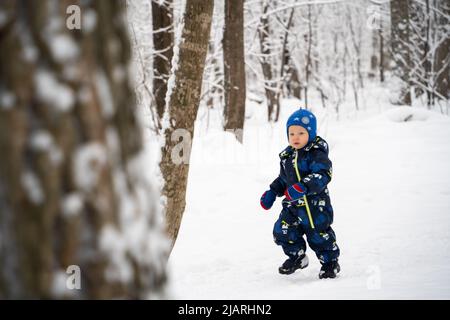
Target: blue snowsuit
(314,217)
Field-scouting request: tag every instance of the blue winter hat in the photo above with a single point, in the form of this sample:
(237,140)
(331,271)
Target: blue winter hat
(305,119)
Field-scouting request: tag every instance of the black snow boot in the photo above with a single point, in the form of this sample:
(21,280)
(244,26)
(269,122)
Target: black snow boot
(329,270)
(292,264)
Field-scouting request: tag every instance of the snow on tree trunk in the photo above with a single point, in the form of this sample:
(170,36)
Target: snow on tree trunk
(184,99)
(72,192)
(400,44)
(234,67)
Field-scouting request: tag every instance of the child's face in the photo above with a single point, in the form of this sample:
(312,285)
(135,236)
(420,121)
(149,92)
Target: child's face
(298,137)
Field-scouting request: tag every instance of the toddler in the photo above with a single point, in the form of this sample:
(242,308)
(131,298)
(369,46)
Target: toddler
(305,171)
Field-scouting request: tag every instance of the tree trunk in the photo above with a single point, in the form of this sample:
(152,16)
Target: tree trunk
(234,67)
(284,63)
(442,57)
(426,56)
(215,92)
(355,36)
(400,47)
(374,63)
(269,87)
(293,85)
(71,190)
(308,38)
(381,39)
(162,15)
(183,107)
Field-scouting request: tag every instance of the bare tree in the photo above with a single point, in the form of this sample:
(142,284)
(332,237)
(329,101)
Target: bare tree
(72,190)
(293,84)
(308,67)
(381,52)
(234,67)
(269,83)
(400,46)
(182,109)
(162,18)
(429,49)
(214,77)
(442,56)
(284,63)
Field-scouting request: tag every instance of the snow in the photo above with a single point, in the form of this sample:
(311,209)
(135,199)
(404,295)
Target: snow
(119,74)
(225,248)
(53,93)
(112,242)
(63,48)
(63,286)
(178,41)
(42,141)
(140,234)
(7,100)
(72,204)
(3,18)
(145,235)
(105,94)
(59,288)
(84,94)
(403,114)
(32,187)
(89,20)
(30,53)
(89,160)
(390,194)
(113,143)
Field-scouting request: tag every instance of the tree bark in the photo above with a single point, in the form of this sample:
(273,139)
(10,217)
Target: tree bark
(442,57)
(284,63)
(400,47)
(426,56)
(162,15)
(70,187)
(269,86)
(308,39)
(183,107)
(293,84)
(381,64)
(234,67)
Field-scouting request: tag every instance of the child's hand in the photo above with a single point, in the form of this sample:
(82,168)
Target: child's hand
(295,192)
(267,199)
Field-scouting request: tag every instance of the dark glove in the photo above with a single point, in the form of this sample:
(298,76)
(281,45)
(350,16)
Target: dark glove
(295,192)
(267,199)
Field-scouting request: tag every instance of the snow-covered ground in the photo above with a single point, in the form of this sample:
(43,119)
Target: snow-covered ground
(390,192)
